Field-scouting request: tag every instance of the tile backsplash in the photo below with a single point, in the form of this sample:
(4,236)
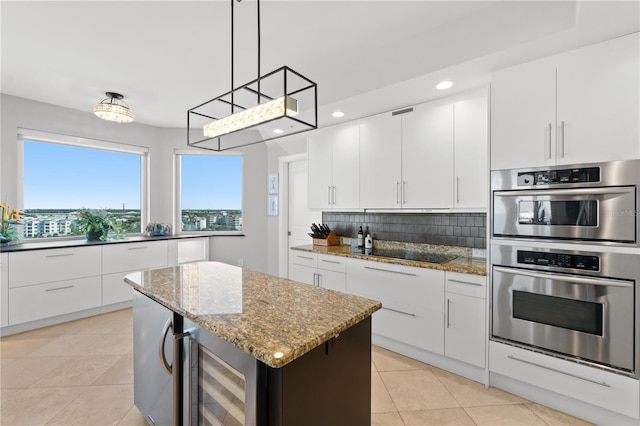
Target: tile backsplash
(453,229)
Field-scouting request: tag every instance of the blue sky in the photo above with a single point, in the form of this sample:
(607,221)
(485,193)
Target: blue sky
(68,177)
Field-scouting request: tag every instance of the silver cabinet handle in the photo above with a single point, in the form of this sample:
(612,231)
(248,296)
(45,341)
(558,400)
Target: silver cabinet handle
(59,255)
(59,288)
(165,331)
(464,282)
(562,139)
(318,279)
(138,248)
(334,194)
(605,384)
(568,278)
(388,270)
(304,257)
(457,189)
(448,309)
(399,311)
(329,194)
(404,191)
(331,261)
(397,192)
(549,157)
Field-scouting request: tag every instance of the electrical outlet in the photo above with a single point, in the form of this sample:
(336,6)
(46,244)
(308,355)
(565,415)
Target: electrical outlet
(241,262)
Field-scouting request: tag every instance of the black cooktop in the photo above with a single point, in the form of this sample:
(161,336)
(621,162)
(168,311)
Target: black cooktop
(429,257)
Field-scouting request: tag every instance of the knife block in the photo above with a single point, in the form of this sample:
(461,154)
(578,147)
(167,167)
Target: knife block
(331,240)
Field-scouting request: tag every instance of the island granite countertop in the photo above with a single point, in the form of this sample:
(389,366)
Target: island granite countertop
(275,320)
(461,264)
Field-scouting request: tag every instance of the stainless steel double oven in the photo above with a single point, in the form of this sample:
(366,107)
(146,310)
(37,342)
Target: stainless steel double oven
(566,262)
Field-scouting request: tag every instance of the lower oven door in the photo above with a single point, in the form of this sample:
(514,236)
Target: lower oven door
(578,316)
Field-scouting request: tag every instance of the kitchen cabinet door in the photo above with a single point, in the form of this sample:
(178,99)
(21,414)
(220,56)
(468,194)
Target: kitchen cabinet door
(346,167)
(598,102)
(380,161)
(320,160)
(471,151)
(304,274)
(523,115)
(465,337)
(427,156)
(332,280)
(4,289)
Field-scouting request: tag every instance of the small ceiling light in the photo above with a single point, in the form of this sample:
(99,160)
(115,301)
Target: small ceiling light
(445,84)
(247,114)
(337,114)
(109,109)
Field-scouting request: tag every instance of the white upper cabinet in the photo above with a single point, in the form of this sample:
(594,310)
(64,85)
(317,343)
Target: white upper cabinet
(470,151)
(598,96)
(427,156)
(334,167)
(576,107)
(380,161)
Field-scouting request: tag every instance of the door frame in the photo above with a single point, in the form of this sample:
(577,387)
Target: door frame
(283,217)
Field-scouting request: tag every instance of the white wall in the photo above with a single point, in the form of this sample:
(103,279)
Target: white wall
(24,113)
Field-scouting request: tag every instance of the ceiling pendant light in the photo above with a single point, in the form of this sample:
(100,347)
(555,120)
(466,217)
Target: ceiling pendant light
(109,109)
(280,103)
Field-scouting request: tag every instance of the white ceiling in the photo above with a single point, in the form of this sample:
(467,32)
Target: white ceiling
(365,56)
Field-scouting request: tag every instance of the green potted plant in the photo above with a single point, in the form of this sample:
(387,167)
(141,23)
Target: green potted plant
(9,219)
(96,224)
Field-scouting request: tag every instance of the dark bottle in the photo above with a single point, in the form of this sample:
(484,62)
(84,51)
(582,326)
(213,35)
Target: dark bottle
(360,237)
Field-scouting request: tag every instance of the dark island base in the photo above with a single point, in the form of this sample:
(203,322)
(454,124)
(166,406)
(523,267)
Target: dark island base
(331,385)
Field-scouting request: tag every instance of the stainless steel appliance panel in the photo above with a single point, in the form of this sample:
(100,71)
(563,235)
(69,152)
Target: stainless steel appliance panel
(580,305)
(583,203)
(152,383)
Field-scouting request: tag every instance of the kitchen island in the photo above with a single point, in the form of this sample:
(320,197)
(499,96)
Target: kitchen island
(249,348)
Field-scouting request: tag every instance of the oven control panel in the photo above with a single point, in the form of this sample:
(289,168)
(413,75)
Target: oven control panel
(561,176)
(559,260)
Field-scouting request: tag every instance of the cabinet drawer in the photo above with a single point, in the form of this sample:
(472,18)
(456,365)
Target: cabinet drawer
(422,329)
(304,258)
(134,256)
(398,287)
(332,263)
(35,302)
(466,284)
(591,385)
(40,266)
(193,250)
(114,289)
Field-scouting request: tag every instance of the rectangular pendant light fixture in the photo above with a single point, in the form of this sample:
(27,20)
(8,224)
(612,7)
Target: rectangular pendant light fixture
(280,103)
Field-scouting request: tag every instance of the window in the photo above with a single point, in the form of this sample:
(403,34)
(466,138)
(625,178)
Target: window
(210,192)
(62,175)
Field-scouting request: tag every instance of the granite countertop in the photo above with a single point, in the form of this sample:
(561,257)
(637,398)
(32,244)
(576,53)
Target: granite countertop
(462,264)
(44,244)
(273,319)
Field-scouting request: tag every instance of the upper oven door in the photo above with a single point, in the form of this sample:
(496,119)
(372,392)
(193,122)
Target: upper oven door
(601,214)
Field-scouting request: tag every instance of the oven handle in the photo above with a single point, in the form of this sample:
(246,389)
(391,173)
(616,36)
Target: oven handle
(577,191)
(568,278)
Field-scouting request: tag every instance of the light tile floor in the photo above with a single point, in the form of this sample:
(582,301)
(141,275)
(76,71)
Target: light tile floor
(81,373)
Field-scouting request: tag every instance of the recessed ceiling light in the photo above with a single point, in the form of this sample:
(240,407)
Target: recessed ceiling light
(337,114)
(444,85)
(278,131)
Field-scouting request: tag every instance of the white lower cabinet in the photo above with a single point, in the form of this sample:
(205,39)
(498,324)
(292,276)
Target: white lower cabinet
(412,301)
(465,323)
(120,259)
(4,289)
(321,270)
(34,302)
(188,250)
(594,386)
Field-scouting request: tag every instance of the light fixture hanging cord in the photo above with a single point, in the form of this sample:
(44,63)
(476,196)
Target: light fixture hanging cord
(259,93)
(232,87)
